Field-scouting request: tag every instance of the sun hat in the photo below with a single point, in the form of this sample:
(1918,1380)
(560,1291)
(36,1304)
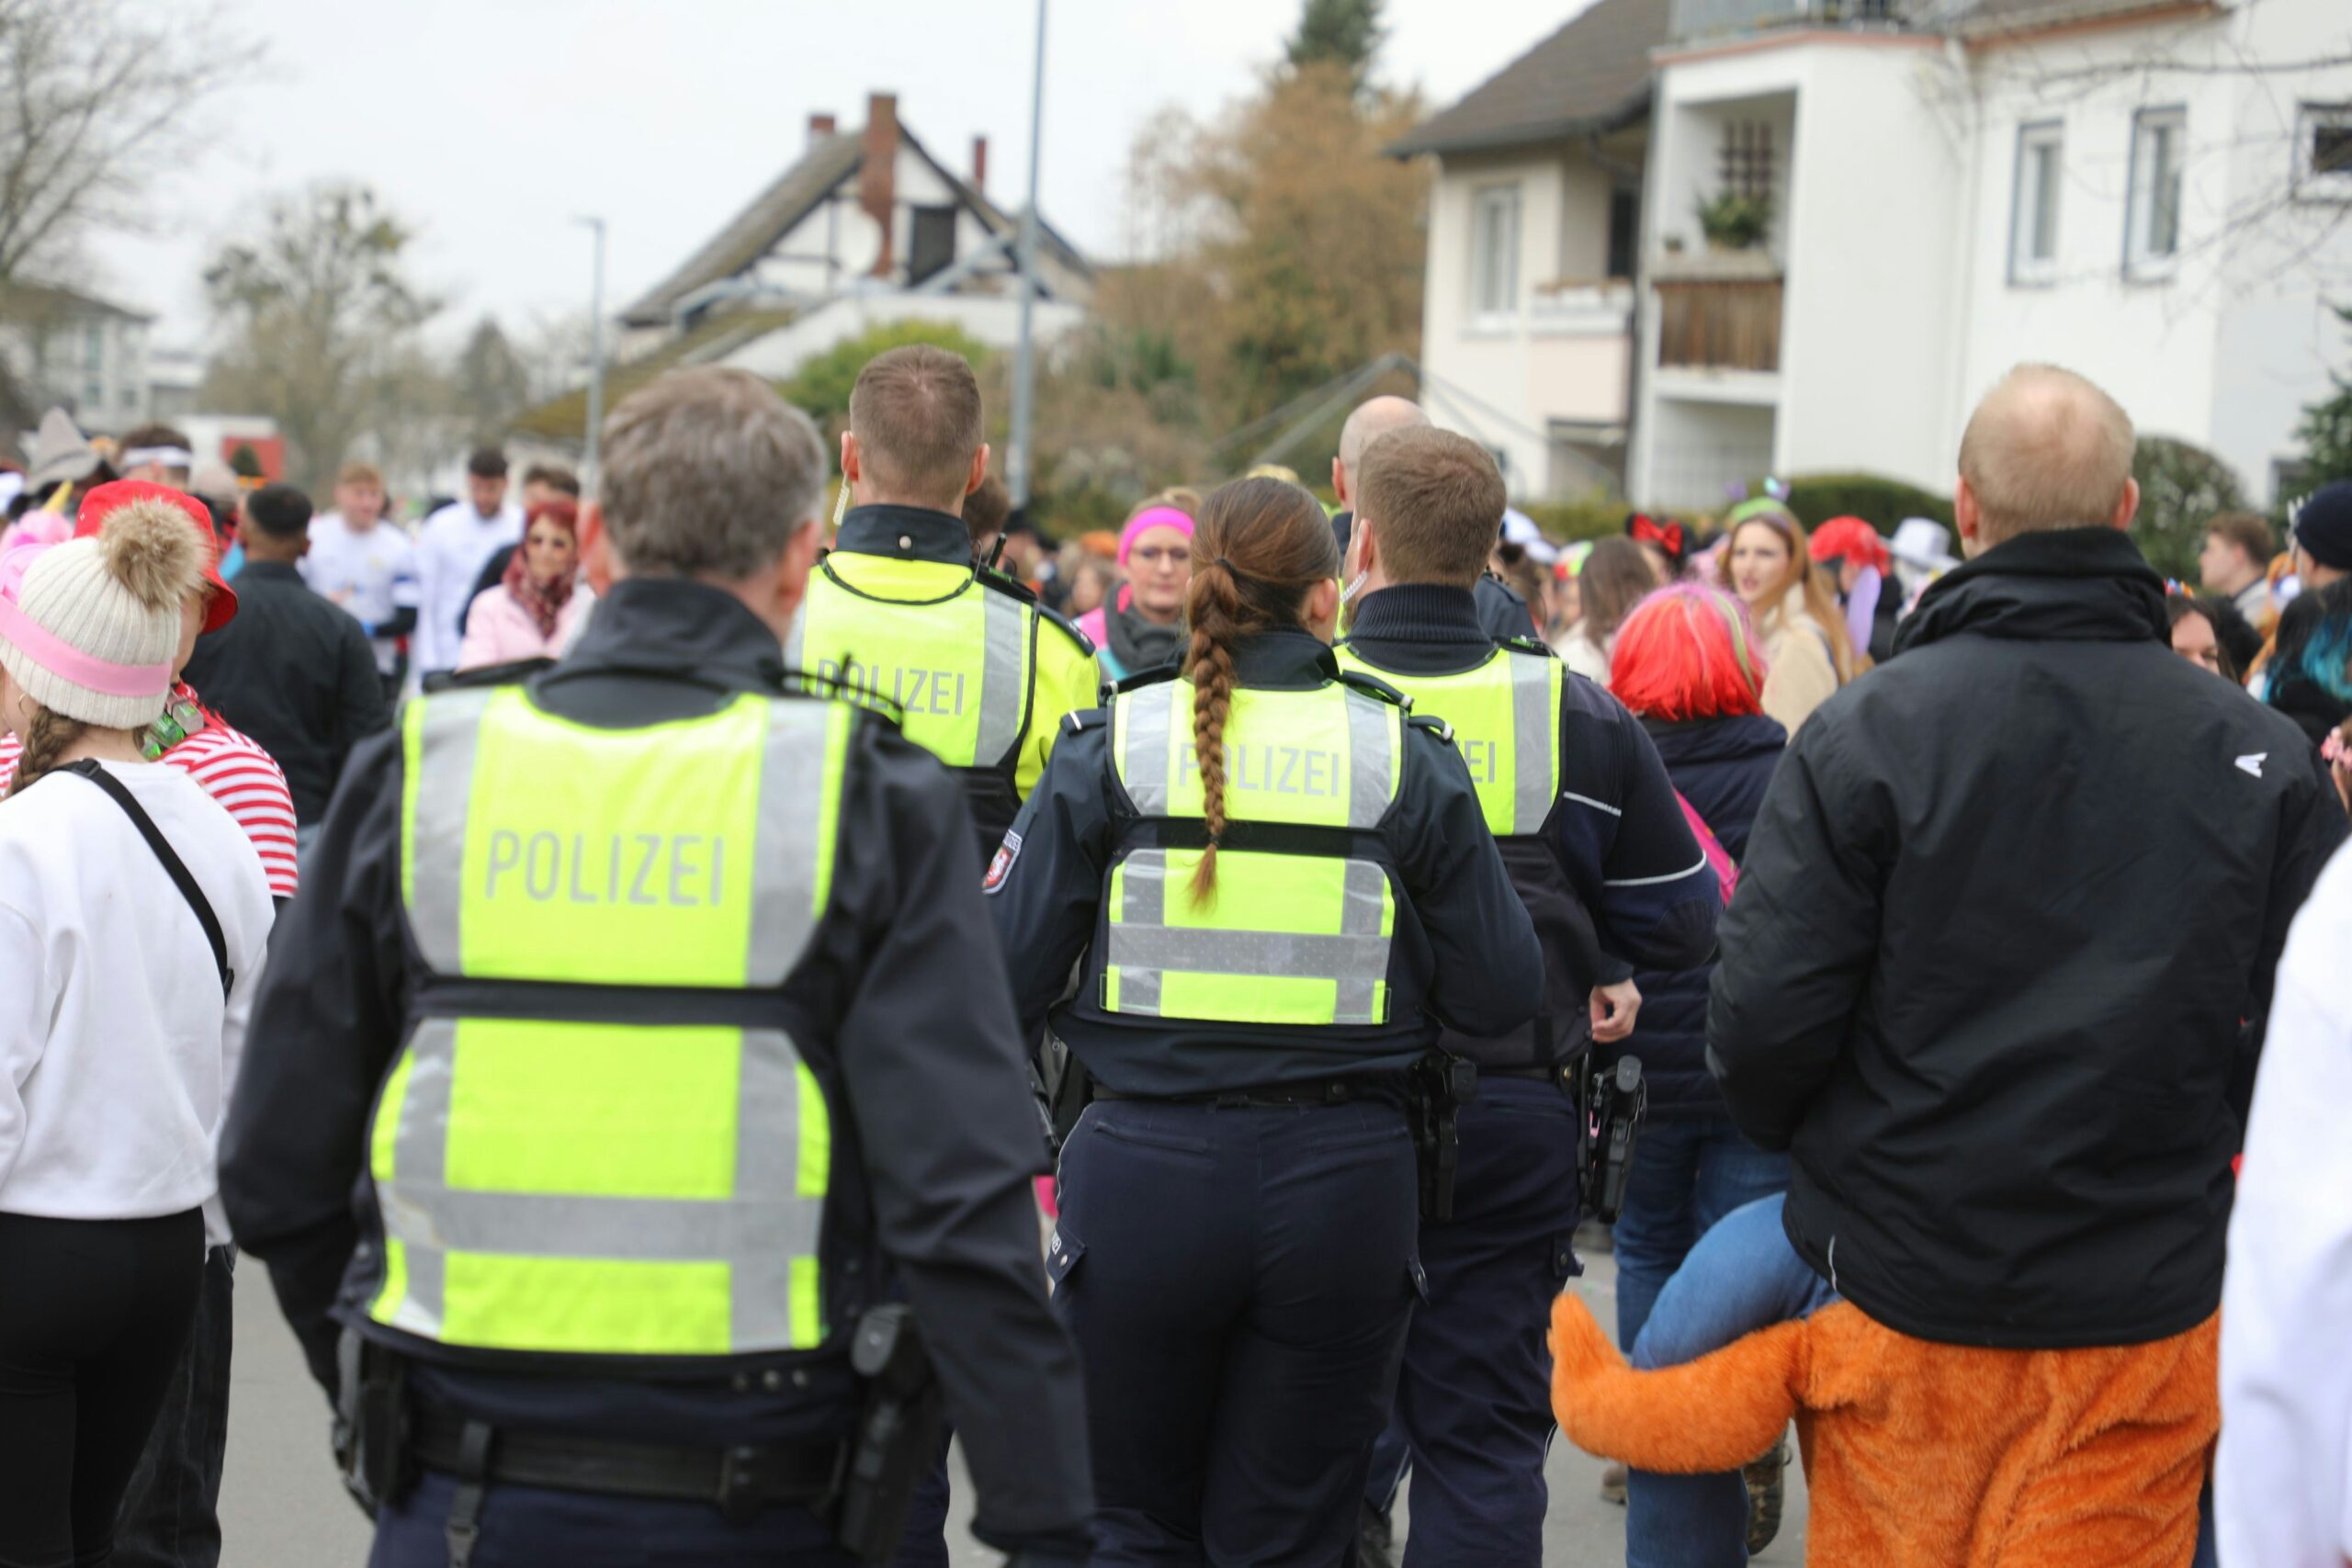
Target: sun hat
(91,628)
(221,600)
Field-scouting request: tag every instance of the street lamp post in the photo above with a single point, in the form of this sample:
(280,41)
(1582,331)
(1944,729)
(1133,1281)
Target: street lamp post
(588,452)
(1024,372)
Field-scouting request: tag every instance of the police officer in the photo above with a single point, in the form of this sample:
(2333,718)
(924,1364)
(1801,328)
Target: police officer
(1280,882)
(1501,609)
(1597,846)
(649,1010)
(982,673)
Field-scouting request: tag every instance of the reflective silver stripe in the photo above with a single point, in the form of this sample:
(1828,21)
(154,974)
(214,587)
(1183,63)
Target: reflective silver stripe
(784,860)
(445,786)
(1532,708)
(798,632)
(1367,889)
(1370,760)
(1141,946)
(1145,718)
(757,1232)
(1005,695)
(1274,954)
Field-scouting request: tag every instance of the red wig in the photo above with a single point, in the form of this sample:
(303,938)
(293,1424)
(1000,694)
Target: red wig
(1688,652)
(560,510)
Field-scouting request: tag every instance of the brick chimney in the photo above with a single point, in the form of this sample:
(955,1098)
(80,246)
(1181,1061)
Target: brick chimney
(819,127)
(878,178)
(980,165)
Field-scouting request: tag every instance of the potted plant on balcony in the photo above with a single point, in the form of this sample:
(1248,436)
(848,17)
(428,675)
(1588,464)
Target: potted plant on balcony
(1733,220)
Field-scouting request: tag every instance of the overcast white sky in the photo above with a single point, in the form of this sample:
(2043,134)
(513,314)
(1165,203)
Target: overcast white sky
(489,123)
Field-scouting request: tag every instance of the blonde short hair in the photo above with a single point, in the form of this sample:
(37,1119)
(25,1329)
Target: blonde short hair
(2045,450)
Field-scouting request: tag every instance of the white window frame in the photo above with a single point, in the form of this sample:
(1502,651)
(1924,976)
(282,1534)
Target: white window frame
(2144,207)
(2310,184)
(2026,199)
(1491,306)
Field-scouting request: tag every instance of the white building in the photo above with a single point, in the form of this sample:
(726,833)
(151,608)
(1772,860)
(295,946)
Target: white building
(1534,231)
(866,229)
(2153,192)
(62,348)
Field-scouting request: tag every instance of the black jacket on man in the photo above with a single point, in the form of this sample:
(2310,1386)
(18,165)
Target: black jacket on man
(297,673)
(908,985)
(2000,954)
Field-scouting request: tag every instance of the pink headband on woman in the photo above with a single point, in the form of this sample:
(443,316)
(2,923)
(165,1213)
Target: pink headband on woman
(1155,517)
(56,656)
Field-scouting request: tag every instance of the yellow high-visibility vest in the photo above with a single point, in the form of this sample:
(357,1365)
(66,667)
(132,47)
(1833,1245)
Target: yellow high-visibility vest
(1505,715)
(557,1172)
(969,667)
(1299,934)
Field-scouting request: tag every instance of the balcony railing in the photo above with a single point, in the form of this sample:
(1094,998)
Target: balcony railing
(1719,324)
(1701,18)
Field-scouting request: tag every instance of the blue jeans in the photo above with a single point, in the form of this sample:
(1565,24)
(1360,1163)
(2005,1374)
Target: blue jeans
(1687,1173)
(171,1515)
(1742,1276)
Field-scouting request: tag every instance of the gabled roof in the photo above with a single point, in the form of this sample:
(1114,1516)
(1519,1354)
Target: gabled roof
(798,192)
(1592,75)
(725,330)
(51,301)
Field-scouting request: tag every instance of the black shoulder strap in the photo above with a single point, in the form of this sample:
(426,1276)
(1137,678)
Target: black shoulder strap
(173,867)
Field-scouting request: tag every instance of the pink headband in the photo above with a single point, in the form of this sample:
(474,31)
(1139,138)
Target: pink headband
(60,657)
(1156,517)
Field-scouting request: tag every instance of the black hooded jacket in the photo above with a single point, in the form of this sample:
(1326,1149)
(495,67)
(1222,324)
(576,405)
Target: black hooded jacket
(2000,954)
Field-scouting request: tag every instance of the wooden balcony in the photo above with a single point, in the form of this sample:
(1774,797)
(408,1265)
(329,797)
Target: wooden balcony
(1719,323)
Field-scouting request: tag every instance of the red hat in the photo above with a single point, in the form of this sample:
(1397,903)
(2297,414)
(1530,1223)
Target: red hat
(1849,538)
(219,599)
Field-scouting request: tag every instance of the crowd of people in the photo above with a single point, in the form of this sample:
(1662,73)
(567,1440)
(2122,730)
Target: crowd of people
(705,928)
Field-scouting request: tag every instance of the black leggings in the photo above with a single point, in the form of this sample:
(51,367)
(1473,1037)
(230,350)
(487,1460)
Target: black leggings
(93,1313)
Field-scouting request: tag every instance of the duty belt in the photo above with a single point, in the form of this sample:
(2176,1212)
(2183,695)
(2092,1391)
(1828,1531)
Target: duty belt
(1314,1091)
(741,1480)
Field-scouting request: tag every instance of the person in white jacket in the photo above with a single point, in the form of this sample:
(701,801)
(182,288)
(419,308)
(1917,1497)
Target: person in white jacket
(121,1021)
(2282,1485)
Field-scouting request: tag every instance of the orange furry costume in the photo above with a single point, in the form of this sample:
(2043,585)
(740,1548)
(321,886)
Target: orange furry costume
(1922,1454)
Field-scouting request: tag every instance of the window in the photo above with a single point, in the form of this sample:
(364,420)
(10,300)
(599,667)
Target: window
(2033,220)
(1494,252)
(1624,229)
(933,247)
(1748,158)
(93,345)
(2323,152)
(2152,232)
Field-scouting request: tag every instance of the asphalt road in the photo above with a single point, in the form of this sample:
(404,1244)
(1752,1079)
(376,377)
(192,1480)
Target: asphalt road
(282,1507)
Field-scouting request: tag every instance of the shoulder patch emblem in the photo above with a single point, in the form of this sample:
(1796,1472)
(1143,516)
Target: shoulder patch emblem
(1001,867)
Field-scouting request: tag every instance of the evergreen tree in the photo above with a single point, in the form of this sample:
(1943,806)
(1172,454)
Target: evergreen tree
(1340,32)
(2326,430)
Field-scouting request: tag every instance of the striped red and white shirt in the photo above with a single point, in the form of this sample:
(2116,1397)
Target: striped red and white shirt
(231,767)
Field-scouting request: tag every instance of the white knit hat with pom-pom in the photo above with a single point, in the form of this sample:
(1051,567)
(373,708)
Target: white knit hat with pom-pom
(91,628)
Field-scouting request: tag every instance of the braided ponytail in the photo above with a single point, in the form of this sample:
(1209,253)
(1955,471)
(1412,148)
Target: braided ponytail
(46,738)
(1261,545)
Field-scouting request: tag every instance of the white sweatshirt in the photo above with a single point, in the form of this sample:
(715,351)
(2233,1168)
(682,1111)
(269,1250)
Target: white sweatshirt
(116,1049)
(2282,1485)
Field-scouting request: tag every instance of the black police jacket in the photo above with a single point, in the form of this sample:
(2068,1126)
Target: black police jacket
(904,986)
(1465,951)
(1616,879)
(2006,904)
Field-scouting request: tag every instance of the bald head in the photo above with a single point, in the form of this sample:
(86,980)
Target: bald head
(1369,422)
(2045,450)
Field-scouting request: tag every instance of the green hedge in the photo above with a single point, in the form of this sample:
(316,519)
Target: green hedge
(1595,517)
(1881,502)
